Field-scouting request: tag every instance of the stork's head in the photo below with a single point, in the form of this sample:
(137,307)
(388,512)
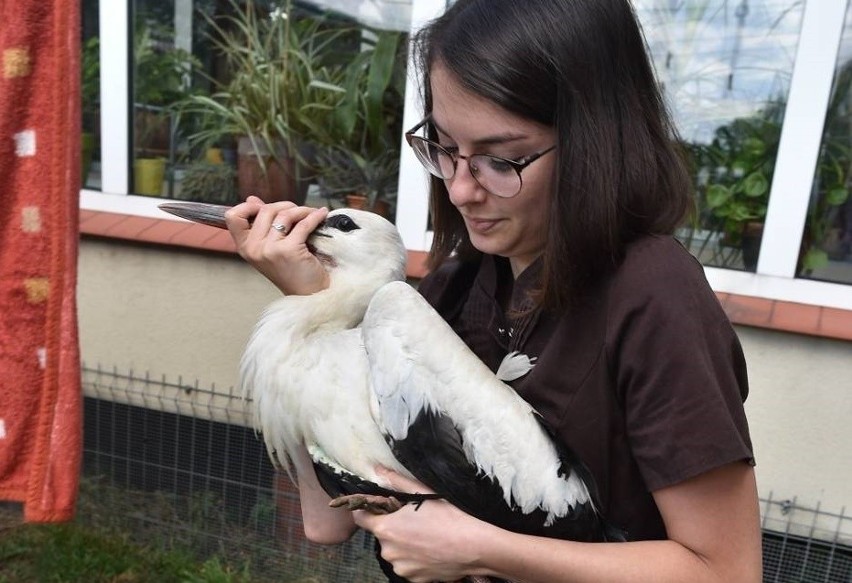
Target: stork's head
(359,248)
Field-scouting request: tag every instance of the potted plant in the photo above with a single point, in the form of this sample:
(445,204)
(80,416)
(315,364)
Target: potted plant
(830,194)
(822,235)
(209,182)
(357,155)
(159,81)
(278,89)
(734,174)
(359,182)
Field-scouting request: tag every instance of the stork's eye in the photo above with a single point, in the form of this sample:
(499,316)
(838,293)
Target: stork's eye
(342,223)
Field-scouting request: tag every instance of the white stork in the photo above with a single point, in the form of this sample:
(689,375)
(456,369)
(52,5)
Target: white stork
(305,366)
(366,372)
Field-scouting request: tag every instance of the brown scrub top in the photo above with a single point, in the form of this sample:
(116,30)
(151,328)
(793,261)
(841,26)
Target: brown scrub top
(644,379)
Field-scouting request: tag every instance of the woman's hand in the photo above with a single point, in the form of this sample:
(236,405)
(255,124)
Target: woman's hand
(433,542)
(280,255)
(712,520)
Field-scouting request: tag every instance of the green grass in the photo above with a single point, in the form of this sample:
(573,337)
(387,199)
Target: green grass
(126,536)
(71,553)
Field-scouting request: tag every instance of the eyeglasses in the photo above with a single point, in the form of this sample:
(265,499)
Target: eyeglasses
(499,176)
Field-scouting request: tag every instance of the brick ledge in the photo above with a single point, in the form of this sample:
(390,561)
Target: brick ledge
(743,310)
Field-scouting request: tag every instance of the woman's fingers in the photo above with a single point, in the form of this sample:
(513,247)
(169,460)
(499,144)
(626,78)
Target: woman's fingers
(427,543)
(250,221)
(273,239)
(295,223)
(251,224)
(265,217)
(239,218)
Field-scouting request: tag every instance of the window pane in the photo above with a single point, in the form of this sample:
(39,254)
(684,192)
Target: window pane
(162,64)
(384,14)
(827,242)
(90,87)
(725,67)
(273,99)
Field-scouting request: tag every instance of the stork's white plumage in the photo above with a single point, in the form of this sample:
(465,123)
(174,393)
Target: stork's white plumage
(304,365)
(366,373)
(435,380)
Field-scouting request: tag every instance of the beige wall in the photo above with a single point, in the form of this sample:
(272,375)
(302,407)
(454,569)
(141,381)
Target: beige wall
(167,312)
(800,413)
(154,310)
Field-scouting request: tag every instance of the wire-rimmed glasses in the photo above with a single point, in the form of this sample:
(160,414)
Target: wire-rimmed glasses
(499,176)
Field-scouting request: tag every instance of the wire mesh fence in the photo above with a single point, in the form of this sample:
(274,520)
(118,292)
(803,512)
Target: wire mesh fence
(179,466)
(805,545)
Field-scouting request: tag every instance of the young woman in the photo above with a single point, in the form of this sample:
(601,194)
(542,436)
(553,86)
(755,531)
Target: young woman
(556,187)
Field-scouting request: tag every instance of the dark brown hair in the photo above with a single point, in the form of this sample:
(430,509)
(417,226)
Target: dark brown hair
(582,67)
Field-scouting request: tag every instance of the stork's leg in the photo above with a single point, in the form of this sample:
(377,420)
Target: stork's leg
(372,504)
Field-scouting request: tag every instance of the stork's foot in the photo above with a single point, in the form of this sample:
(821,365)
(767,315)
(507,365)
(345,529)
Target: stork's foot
(372,504)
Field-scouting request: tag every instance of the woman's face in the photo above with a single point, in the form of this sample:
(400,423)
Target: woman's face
(515,227)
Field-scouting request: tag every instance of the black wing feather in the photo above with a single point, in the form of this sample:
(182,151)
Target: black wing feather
(338,483)
(433,451)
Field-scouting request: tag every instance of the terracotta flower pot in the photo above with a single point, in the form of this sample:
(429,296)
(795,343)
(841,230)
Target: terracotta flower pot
(278,182)
(359,201)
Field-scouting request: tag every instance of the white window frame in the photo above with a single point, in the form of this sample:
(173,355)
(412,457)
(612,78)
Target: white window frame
(795,167)
(810,88)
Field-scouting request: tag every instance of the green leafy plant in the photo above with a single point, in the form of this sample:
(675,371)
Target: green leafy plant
(313,87)
(735,171)
(371,85)
(833,192)
(358,146)
(90,99)
(161,69)
(831,187)
(160,80)
(90,81)
(279,81)
(206,182)
(342,172)
(734,175)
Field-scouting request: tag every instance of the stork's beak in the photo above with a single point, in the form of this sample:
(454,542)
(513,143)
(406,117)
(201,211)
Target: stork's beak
(207,214)
(199,212)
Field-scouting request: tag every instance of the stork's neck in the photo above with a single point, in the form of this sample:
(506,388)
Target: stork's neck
(341,306)
(334,308)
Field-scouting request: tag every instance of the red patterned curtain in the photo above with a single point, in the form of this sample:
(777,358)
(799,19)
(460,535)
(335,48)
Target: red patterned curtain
(40,398)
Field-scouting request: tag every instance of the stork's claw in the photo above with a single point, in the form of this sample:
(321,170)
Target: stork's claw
(372,504)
